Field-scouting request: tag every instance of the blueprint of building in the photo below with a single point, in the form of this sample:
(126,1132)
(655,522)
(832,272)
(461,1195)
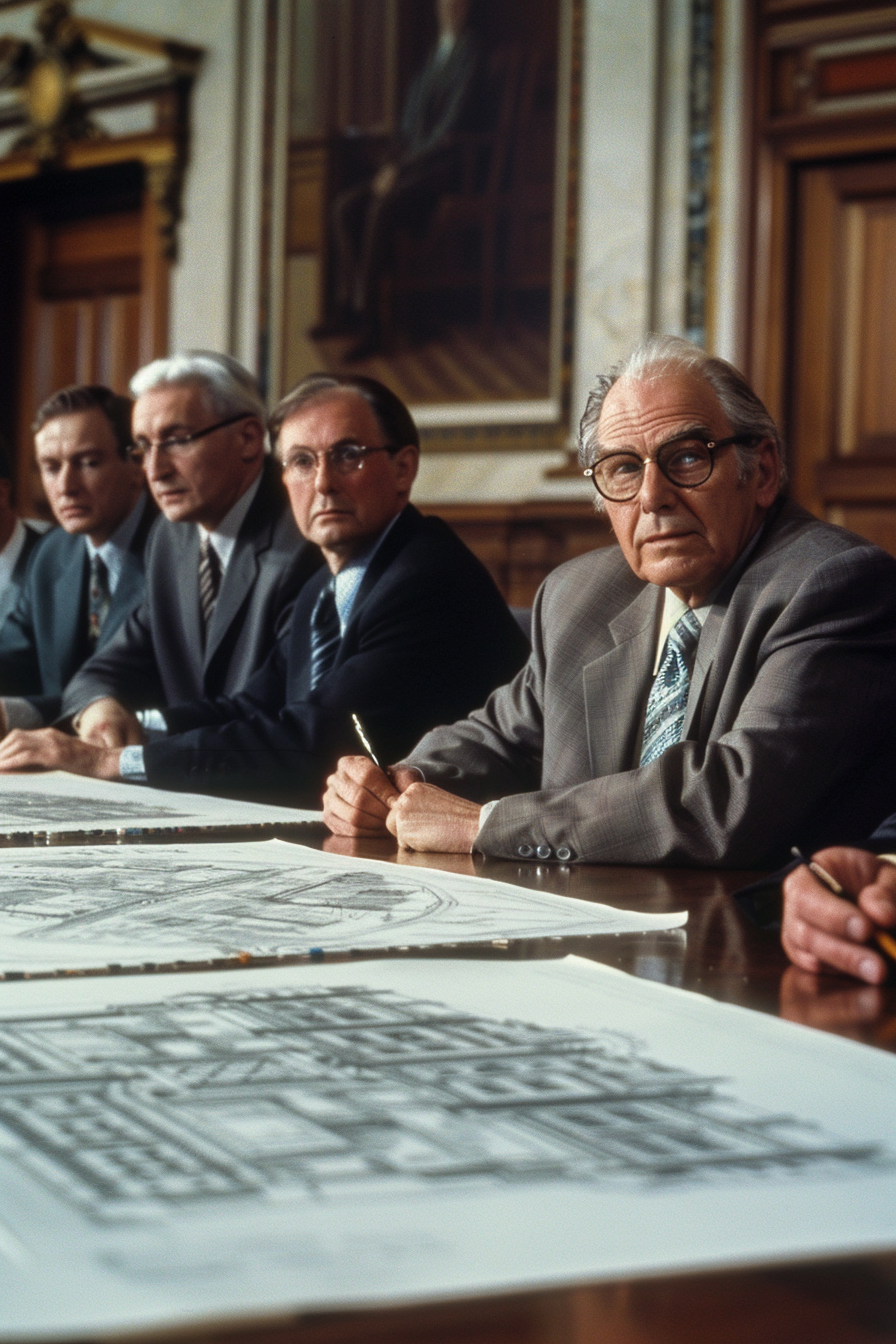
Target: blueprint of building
(174,1147)
(91,905)
(55,802)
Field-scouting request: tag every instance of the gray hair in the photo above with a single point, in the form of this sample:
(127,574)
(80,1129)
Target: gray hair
(231,389)
(657,355)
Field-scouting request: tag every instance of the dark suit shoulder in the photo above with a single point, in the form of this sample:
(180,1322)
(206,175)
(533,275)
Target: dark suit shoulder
(54,552)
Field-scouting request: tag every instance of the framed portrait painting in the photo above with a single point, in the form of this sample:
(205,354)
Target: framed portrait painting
(427,209)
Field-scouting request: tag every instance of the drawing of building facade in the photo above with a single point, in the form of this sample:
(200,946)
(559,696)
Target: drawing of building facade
(323,1092)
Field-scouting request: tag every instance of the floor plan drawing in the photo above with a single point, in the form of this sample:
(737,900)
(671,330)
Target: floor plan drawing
(56,802)
(266,898)
(269,1141)
(309,1093)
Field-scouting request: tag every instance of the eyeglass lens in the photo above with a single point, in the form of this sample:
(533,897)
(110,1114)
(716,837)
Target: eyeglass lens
(686,462)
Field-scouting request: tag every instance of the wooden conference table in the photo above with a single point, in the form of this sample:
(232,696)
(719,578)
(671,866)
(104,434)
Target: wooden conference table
(836,1302)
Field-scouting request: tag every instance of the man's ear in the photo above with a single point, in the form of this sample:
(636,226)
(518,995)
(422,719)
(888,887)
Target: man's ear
(252,438)
(406,463)
(768,474)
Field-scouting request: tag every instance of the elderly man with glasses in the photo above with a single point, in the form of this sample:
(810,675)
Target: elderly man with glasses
(714,689)
(402,627)
(224,563)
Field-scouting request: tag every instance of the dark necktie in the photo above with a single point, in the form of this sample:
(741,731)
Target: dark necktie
(98,598)
(326,633)
(668,697)
(209,580)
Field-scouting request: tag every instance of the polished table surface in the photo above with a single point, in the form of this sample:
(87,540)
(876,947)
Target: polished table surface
(720,954)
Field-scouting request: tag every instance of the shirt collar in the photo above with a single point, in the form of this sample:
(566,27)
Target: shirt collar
(223,538)
(349,579)
(674,608)
(11,552)
(114,548)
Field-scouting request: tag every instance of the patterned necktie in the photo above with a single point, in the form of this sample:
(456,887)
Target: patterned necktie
(209,580)
(98,598)
(668,697)
(326,633)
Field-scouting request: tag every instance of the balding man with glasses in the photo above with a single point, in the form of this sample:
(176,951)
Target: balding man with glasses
(717,688)
(403,627)
(224,564)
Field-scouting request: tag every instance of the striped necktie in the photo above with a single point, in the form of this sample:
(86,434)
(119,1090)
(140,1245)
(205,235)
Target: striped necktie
(668,697)
(209,580)
(326,633)
(98,597)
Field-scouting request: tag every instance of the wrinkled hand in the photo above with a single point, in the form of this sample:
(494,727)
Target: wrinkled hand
(359,795)
(48,749)
(428,819)
(106,723)
(821,931)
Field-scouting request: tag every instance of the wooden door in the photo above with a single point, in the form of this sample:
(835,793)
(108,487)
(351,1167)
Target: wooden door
(93,308)
(843,370)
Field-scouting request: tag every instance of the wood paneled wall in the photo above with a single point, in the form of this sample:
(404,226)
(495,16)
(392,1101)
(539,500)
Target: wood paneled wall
(823,334)
(521,543)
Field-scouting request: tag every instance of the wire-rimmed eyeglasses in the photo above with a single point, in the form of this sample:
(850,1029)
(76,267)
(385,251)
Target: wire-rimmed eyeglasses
(687,462)
(179,443)
(343,458)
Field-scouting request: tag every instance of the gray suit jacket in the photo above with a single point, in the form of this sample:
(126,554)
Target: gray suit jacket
(157,658)
(790,716)
(10,594)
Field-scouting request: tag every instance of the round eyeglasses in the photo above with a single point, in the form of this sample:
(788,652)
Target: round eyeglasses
(686,462)
(343,458)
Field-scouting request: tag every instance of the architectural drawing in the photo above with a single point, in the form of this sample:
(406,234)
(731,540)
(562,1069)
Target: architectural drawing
(56,802)
(266,898)
(176,1149)
(43,811)
(319,1093)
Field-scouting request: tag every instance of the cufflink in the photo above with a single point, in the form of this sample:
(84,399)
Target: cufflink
(564,853)
(543,852)
(525,851)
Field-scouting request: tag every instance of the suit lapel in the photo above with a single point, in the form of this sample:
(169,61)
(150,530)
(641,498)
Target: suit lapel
(706,650)
(242,570)
(70,627)
(614,682)
(404,527)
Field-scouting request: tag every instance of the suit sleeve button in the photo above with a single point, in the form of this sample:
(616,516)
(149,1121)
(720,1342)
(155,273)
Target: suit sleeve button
(525,851)
(563,853)
(543,852)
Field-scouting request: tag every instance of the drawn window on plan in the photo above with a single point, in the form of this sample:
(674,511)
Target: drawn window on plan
(328,1092)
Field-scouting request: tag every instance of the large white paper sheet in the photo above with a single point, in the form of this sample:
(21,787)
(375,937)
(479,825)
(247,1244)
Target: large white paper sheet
(235,1144)
(56,803)
(89,906)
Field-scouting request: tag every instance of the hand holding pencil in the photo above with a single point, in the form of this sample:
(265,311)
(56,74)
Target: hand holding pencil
(840,914)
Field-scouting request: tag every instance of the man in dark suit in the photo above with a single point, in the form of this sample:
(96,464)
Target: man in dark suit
(710,692)
(86,576)
(17,541)
(224,564)
(442,99)
(404,626)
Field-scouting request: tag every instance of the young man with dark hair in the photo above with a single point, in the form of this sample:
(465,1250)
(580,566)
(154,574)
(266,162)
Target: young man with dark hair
(86,576)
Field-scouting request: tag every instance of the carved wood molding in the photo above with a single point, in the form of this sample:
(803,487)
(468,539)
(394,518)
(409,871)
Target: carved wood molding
(61,100)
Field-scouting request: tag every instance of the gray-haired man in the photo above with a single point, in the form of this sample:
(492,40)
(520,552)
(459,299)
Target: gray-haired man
(224,564)
(713,690)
